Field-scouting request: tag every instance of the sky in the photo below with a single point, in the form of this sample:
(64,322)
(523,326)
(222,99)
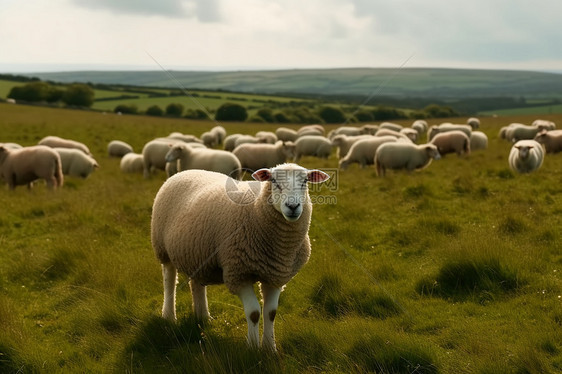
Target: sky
(218,35)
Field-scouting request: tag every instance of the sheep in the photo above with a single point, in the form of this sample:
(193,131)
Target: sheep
(344,143)
(403,155)
(551,140)
(154,155)
(311,145)
(209,140)
(267,137)
(118,148)
(184,138)
(304,130)
(219,133)
(243,139)
(363,151)
(216,160)
(309,132)
(544,124)
(230,142)
(412,134)
(452,142)
(420,126)
(519,131)
(55,141)
(75,163)
(245,232)
(257,156)
(286,134)
(473,122)
(526,156)
(396,134)
(391,126)
(444,127)
(368,129)
(132,163)
(25,165)
(478,140)
(345,130)
(11,145)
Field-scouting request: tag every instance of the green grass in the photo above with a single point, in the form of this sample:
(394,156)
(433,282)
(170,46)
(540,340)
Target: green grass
(452,269)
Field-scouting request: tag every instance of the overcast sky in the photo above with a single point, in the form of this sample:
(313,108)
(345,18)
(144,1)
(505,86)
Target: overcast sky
(57,35)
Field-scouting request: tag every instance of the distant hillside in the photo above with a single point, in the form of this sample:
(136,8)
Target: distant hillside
(400,83)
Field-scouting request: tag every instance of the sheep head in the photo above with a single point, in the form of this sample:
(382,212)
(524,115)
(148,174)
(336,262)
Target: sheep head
(289,187)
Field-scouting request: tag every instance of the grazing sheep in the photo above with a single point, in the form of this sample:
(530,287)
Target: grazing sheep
(245,232)
(345,130)
(118,148)
(205,159)
(420,126)
(132,163)
(11,145)
(368,129)
(219,133)
(410,133)
(310,132)
(526,156)
(552,140)
(209,140)
(402,155)
(519,131)
(257,156)
(230,142)
(55,141)
(391,126)
(452,142)
(267,137)
(304,130)
(246,139)
(23,166)
(473,122)
(312,145)
(478,140)
(544,124)
(75,163)
(444,127)
(396,134)
(344,143)
(363,151)
(154,155)
(184,138)
(286,134)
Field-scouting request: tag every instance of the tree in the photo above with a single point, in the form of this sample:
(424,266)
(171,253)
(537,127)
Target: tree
(126,109)
(154,110)
(266,114)
(231,112)
(174,110)
(31,92)
(78,95)
(331,114)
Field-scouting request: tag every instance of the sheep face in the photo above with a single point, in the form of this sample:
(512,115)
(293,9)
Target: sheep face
(432,151)
(174,153)
(524,151)
(289,187)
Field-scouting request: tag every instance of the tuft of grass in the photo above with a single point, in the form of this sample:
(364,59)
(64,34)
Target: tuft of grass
(511,226)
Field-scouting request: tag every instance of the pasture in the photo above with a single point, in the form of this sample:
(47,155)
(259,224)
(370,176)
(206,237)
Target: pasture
(452,269)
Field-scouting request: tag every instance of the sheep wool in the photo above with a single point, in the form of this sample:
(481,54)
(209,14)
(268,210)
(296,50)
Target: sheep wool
(25,165)
(245,232)
(402,155)
(76,163)
(526,156)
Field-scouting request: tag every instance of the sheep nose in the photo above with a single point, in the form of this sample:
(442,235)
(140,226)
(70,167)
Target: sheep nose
(293,206)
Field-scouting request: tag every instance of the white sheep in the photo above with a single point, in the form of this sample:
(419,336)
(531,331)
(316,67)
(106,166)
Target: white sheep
(345,130)
(478,140)
(368,129)
(55,141)
(344,143)
(184,137)
(132,163)
(154,155)
(209,139)
(363,151)
(552,140)
(219,133)
(257,156)
(420,126)
(473,122)
(544,124)
(444,127)
(118,148)
(216,160)
(526,156)
(245,232)
(247,139)
(285,134)
(391,126)
(412,134)
(24,165)
(396,134)
(76,163)
(307,129)
(403,155)
(452,142)
(11,145)
(267,137)
(519,131)
(230,142)
(312,145)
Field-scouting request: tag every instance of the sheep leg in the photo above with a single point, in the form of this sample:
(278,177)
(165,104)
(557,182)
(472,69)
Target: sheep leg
(270,304)
(199,296)
(170,276)
(252,312)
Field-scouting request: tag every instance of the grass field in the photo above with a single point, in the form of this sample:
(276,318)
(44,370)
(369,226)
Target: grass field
(452,269)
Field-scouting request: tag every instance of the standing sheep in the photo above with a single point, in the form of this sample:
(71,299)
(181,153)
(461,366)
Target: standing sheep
(526,156)
(75,163)
(312,145)
(452,142)
(118,148)
(205,159)
(344,143)
(285,134)
(402,155)
(444,127)
(219,133)
(23,166)
(552,140)
(132,163)
(257,156)
(519,131)
(55,141)
(363,151)
(154,155)
(478,140)
(246,232)
(473,122)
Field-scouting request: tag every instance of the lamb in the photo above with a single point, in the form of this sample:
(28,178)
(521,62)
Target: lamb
(132,163)
(118,148)
(403,155)
(551,140)
(478,140)
(257,156)
(363,151)
(75,163)
(311,145)
(526,156)
(444,127)
(344,143)
(25,165)
(286,134)
(245,233)
(452,142)
(206,159)
(55,141)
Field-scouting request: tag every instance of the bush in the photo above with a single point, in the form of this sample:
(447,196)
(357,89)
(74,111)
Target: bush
(78,95)
(195,114)
(154,110)
(231,112)
(36,92)
(330,114)
(126,109)
(364,116)
(174,110)
(266,114)
(383,113)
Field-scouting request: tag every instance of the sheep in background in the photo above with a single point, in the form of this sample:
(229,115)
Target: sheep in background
(391,126)
(444,127)
(311,130)
(403,155)
(410,133)
(267,137)
(257,156)
(544,124)
(312,145)
(286,134)
(551,140)
(184,138)
(519,131)
(368,129)
(55,141)
(246,232)
(473,122)
(452,142)
(478,140)
(25,165)
(219,133)
(230,142)
(396,134)
(209,140)
(118,148)
(203,158)
(11,145)
(154,155)
(344,143)
(75,163)
(526,156)
(420,126)
(132,163)
(363,151)
(345,130)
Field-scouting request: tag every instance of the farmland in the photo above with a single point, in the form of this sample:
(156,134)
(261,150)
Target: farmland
(455,268)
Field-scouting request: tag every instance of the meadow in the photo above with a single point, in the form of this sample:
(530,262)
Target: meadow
(452,269)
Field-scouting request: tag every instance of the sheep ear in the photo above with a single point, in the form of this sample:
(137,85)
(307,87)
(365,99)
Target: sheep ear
(262,175)
(317,176)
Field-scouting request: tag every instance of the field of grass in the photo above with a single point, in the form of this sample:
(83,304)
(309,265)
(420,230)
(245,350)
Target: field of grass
(538,111)
(452,269)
